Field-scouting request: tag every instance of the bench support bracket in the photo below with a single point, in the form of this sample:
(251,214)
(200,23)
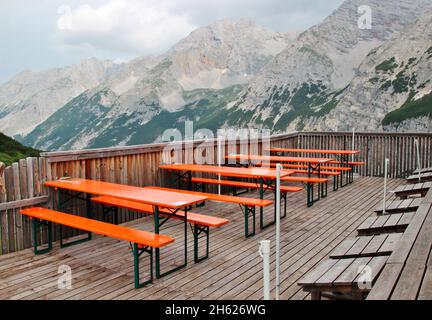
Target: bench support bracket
(247,212)
(137,252)
(197,231)
(36,226)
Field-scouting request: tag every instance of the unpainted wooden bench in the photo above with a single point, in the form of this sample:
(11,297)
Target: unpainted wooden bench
(391,223)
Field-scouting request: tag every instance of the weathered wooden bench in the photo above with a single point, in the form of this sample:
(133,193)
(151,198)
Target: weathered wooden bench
(249,205)
(367,246)
(407,275)
(424,177)
(141,241)
(400,206)
(351,278)
(391,223)
(201,223)
(412,190)
(424,170)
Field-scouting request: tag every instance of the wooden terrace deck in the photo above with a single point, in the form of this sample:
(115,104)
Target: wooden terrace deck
(102,268)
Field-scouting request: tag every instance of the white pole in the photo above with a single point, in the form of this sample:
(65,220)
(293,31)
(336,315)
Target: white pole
(264,252)
(353,143)
(219,164)
(279,168)
(386,164)
(416,142)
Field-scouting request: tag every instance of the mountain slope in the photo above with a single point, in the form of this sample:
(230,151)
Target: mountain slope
(32,96)
(393,87)
(212,61)
(11,150)
(306,81)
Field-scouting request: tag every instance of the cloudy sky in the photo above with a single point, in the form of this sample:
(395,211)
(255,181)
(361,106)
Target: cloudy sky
(40,34)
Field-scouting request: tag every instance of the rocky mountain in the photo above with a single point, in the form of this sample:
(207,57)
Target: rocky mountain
(203,72)
(306,81)
(393,86)
(31,97)
(333,76)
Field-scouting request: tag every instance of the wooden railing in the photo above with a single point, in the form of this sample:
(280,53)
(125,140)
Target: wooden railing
(21,184)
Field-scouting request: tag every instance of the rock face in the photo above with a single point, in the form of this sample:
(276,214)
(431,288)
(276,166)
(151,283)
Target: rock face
(393,87)
(307,80)
(210,62)
(31,97)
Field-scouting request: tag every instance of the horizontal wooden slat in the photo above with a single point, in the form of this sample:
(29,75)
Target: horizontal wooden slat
(23,203)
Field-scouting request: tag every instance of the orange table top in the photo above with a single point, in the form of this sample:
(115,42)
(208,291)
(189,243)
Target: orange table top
(279,159)
(255,172)
(162,198)
(340,152)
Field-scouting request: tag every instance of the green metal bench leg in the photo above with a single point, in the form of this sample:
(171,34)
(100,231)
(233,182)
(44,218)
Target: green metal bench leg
(249,211)
(137,252)
(323,189)
(36,226)
(197,230)
(335,183)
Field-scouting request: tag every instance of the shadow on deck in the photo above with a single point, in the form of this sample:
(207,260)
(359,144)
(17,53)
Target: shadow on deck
(103,267)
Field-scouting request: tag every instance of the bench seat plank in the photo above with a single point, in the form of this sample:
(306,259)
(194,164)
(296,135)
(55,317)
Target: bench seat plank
(401,205)
(242,184)
(366,246)
(106,229)
(424,170)
(199,219)
(396,222)
(224,198)
(413,189)
(427,176)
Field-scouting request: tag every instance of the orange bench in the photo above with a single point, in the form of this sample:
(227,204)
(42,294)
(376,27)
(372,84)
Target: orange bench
(352,164)
(142,241)
(202,223)
(249,185)
(249,204)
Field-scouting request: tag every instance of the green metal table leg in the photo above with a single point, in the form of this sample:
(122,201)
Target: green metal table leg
(157,250)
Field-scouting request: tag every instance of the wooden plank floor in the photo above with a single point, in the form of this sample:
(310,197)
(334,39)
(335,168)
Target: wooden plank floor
(102,268)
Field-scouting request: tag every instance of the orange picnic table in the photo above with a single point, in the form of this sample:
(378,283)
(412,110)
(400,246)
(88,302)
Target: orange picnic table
(320,151)
(265,176)
(173,201)
(342,156)
(314,164)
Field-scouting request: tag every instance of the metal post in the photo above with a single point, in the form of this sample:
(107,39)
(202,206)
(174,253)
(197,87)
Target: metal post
(279,168)
(416,142)
(386,164)
(353,145)
(219,164)
(264,252)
